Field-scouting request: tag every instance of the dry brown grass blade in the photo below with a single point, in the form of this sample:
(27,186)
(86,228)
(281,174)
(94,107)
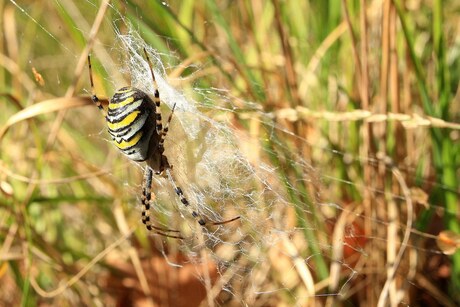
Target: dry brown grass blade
(82,272)
(408,121)
(8,173)
(11,39)
(392,271)
(424,282)
(44,107)
(14,69)
(13,99)
(177,72)
(339,243)
(289,70)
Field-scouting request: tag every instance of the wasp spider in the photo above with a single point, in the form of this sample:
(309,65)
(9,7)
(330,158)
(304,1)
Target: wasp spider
(134,122)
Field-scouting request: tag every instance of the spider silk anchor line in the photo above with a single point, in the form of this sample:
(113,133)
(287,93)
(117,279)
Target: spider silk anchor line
(134,122)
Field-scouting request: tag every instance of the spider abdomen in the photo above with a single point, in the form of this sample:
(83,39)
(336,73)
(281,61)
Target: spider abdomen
(130,118)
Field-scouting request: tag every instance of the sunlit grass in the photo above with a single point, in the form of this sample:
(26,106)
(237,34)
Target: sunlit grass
(341,109)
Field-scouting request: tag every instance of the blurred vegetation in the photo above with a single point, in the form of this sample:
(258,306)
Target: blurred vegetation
(365,92)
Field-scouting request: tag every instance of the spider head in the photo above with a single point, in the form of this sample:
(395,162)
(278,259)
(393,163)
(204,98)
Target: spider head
(158,163)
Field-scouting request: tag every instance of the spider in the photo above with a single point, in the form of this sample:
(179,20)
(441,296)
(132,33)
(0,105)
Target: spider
(134,122)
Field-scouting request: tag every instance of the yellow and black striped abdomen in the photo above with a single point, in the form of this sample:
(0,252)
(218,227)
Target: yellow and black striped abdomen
(130,121)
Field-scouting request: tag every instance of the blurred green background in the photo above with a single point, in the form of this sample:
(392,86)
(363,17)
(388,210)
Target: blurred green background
(354,107)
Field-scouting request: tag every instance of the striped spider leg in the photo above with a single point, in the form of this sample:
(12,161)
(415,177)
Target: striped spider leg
(165,164)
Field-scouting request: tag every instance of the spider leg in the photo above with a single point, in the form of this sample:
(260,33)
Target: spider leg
(156,99)
(146,197)
(165,129)
(162,132)
(186,203)
(94,98)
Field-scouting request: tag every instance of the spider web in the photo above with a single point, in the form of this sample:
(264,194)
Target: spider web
(216,176)
(291,222)
(211,158)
